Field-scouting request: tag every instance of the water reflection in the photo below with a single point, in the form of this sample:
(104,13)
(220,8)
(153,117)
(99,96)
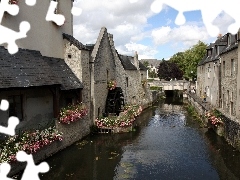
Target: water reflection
(167,144)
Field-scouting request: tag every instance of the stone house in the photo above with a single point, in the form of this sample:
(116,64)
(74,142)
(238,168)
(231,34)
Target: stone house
(97,64)
(208,72)
(44,36)
(36,87)
(217,73)
(229,62)
(153,65)
(84,70)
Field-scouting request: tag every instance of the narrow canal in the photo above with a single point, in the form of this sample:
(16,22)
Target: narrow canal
(167,145)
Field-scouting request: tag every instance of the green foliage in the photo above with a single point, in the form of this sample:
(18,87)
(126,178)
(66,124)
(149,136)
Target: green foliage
(188,60)
(155,88)
(152,74)
(146,64)
(150,80)
(169,70)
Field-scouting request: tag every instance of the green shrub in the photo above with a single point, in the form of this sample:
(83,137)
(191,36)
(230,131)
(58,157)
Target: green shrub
(155,88)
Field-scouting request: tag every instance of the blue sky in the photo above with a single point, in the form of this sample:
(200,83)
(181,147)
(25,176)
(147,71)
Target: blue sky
(135,27)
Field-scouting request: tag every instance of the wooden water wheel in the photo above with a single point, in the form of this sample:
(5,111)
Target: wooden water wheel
(115,101)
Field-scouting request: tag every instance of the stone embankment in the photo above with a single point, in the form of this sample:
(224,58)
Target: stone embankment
(230,129)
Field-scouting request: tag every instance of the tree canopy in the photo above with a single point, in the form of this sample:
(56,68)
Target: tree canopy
(169,70)
(188,60)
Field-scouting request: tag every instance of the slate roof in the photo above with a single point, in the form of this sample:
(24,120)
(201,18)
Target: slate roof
(66,77)
(75,42)
(221,44)
(28,68)
(142,67)
(153,62)
(127,62)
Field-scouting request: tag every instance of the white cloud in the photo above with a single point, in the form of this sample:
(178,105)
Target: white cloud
(187,35)
(144,52)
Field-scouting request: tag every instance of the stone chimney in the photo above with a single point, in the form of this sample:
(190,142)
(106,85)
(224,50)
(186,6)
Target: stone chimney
(136,62)
(110,37)
(219,36)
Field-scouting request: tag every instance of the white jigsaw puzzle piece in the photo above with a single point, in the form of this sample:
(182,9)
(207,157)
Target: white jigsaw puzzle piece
(12,9)
(12,36)
(51,16)
(31,171)
(30,2)
(4,105)
(209,9)
(12,121)
(4,170)
(76,11)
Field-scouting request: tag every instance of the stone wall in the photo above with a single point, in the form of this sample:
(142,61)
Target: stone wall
(229,82)
(71,133)
(78,61)
(46,36)
(104,71)
(230,129)
(37,107)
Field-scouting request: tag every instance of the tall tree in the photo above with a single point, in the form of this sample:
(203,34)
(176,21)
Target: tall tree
(145,63)
(169,70)
(189,59)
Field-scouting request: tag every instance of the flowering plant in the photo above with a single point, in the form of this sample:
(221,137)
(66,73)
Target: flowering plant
(214,118)
(13,2)
(72,113)
(123,120)
(28,141)
(111,84)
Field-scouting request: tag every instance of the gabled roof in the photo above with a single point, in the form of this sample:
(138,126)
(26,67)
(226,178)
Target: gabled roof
(127,62)
(75,42)
(142,67)
(28,68)
(221,43)
(153,62)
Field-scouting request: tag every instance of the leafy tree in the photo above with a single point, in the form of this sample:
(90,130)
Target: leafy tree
(145,63)
(189,59)
(169,70)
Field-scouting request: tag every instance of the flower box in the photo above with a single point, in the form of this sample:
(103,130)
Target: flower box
(124,120)
(72,113)
(28,141)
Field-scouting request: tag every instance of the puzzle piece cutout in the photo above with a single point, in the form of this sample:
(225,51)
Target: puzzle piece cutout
(30,2)
(4,105)
(12,9)
(31,171)
(51,16)
(12,36)
(59,18)
(4,170)
(209,9)
(12,121)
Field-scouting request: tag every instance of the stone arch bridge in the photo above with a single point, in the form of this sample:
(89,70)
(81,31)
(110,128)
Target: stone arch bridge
(181,85)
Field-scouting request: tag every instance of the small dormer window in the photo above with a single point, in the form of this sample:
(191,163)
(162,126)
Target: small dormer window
(217,50)
(209,52)
(229,40)
(236,38)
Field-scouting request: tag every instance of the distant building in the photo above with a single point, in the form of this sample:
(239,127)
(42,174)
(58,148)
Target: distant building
(152,67)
